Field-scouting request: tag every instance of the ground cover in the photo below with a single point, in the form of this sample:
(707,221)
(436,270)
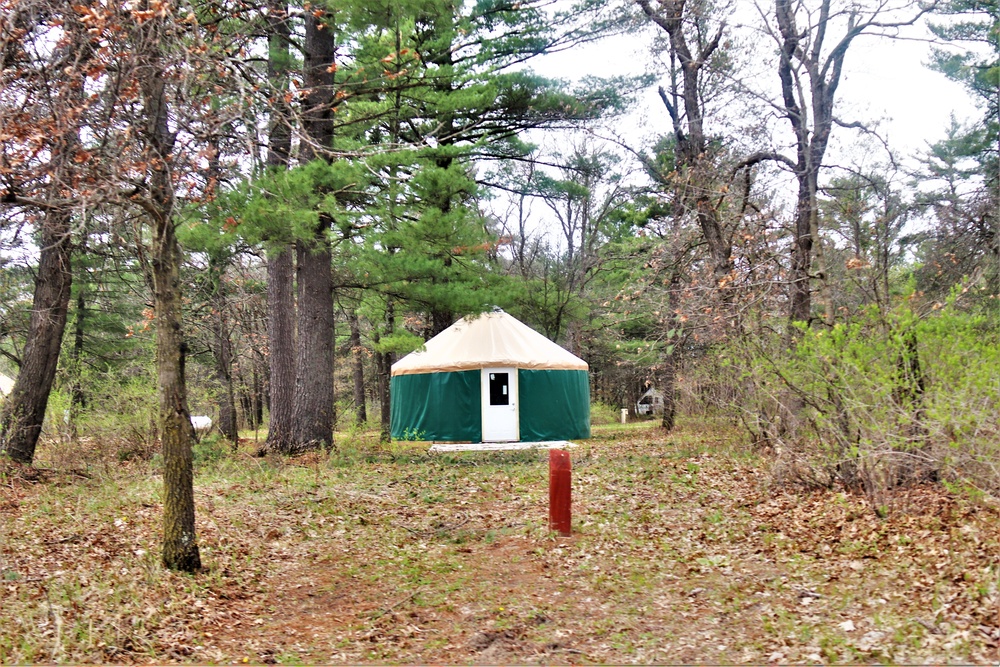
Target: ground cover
(685,550)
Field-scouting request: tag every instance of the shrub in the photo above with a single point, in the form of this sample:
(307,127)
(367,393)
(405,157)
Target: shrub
(602,413)
(877,402)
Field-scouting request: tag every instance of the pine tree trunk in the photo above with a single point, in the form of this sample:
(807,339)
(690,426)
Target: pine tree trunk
(222,350)
(280,259)
(24,410)
(281,348)
(313,414)
(383,371)
(312,417)
(358,360)
(383,364)
(441,319)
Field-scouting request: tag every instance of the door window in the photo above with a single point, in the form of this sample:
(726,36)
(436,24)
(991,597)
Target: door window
(499,389)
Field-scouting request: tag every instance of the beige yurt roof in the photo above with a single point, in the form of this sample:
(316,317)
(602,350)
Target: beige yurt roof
(488,340)
(6,385)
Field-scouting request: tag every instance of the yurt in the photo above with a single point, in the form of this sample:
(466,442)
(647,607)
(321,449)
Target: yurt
(490,378)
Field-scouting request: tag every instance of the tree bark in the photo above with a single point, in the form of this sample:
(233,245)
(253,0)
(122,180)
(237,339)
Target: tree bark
(180,545)
(383,371)
(908,395)
(257,401)
(313,413)
(668,384)
(358,360)
(78,399)
(223,352)
(281,348)
(24,410)
(695,182)
(812,136)
(281,258)
(441,319)
(800,296)
(668,380)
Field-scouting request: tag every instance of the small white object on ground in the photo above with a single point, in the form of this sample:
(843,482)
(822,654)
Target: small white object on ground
(201,423)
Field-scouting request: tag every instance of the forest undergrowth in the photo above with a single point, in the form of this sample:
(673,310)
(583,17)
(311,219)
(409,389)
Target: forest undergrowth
(684,550)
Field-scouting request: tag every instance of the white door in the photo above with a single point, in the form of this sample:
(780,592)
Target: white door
(500,405)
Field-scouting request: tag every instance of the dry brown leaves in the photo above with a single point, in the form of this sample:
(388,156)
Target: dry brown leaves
(683,552)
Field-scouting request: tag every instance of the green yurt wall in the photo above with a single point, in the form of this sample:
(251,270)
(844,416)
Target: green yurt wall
(419,412)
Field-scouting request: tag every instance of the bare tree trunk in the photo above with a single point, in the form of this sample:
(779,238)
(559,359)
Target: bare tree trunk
(223,353)
(249,393)
(573,337)
(256,397)
(180,546)
(668,384)
(383,371)
(244,398)
(78,399)
(800,297)
(358,360)
(24,410)
(668,379)
(695,181)
(908,395)
(810,73)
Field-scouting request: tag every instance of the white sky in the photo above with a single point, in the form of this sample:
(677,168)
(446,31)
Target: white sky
(883,79)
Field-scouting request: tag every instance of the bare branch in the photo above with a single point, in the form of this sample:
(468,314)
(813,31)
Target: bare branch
(762,156)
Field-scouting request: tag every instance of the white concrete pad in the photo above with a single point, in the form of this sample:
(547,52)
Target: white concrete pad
(500,446)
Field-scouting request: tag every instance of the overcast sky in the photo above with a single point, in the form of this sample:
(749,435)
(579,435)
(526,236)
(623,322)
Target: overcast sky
(883,79)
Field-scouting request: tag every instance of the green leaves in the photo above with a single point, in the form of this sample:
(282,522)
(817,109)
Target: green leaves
(285,205)
(400,343)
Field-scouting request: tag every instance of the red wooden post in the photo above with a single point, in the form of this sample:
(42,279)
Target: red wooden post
(559,492)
